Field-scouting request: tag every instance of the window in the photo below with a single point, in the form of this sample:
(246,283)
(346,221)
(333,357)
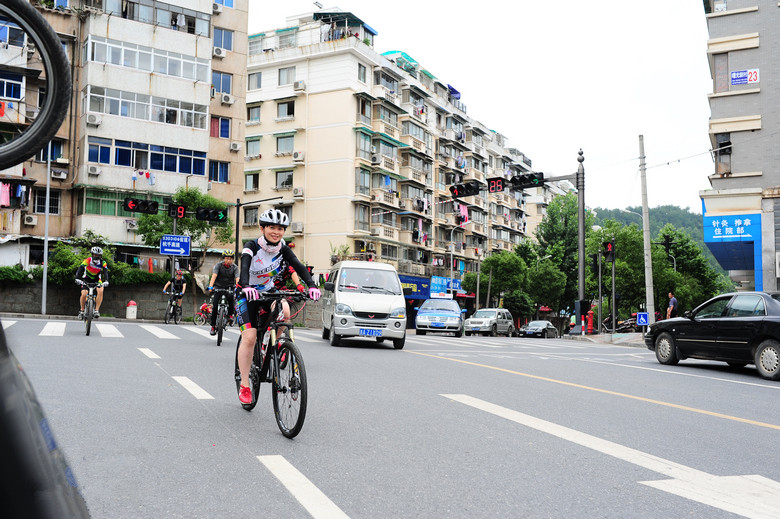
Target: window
(223,38)
(145,107)
(251,181)
(361,72)
(220,127)
(284,144)
(109,203)
(745,306)
(255,81)
(362,181)
(253,147)
(362,216)
(250,215)
(226,3)
(284,179)
(11,34)
(39,200)
(286,209)
(56,151)
(364,110)
(219,171)
(723,154)
(389,251)
(99,150)
(387,116)
(253,114)
(287,39)
(285,109)
(721,75)
(286,76)
(222,82)
(10,86)
(364,146)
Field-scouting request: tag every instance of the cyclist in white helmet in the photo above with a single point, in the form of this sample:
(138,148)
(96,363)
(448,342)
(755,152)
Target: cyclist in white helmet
(94,269)
(265,264)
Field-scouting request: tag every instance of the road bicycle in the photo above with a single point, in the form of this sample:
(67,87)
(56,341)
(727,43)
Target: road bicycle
(89,305)
(203,316)
(281,365)
(173,311)
(222,312)
(27,42)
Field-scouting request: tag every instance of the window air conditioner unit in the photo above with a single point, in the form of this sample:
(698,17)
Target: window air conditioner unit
(299,85)
(297,227)
(131,225)
(216,8)
(235,146)
(30,219)
(375,231)
(62,160)
(59,175)
(219,52)
(297,156)
(228,99)
(375,160)
(298,192)
(94,119)
(93,170)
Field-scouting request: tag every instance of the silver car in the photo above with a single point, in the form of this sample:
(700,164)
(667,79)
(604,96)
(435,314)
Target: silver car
(490,321)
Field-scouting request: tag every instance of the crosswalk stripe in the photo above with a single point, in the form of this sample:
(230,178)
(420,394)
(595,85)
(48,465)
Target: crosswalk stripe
(54,329)
(149,353)
(203,332)
(108,330)
(7,324)
(194,389)
(158,332)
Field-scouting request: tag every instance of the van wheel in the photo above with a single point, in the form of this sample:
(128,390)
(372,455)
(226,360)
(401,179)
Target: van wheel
(325,333)
(510,332)
(493,331)
(335,339)
(468,334)
(398,344)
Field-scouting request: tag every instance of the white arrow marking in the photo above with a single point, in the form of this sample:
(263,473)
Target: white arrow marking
(749,496)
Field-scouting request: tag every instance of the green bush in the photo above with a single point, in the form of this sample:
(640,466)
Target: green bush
(17,274)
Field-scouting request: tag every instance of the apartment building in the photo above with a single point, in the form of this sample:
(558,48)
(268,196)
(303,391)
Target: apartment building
(741,216)
(158,103)
(359,148)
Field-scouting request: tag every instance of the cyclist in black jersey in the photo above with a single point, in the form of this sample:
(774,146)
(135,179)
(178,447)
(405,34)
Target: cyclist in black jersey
(224,276)
(178,286)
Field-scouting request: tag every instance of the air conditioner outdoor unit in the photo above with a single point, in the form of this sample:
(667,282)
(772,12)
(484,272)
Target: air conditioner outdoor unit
(375,231)
(93,170)
(216,8)
(297,156)
(299,85)
(94,119)
(235,146)
(219,52)
(376,160)
(402,204)
(62,160)
(131,225)
(30,219)
(59,175)
(298,192)
(297,227)
(228,99)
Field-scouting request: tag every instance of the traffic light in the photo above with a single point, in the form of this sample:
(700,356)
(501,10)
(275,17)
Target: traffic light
(212,215)
(527,180)
(496,184)
(667,243)
(137,205)
(470,188)
(608,249)
(177,210)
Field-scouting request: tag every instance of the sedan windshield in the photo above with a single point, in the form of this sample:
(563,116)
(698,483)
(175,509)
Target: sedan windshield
(537,324)
(483,314)
(445,305)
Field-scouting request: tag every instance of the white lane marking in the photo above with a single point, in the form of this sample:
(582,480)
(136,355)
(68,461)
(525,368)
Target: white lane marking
(53,329)
(7,324)
(299,338)
(196,391)
(149,353)
(200,331)
(108,330)
(158,332)
(750,496)
(309,496)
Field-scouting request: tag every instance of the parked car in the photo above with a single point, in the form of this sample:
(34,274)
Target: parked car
(543,329)
(490,321)
(738,328)
(439,315)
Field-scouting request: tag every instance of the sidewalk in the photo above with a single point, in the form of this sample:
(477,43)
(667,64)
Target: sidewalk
(621,339)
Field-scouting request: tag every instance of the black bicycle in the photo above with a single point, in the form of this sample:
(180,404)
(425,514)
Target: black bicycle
(31,46)
(222,312)
(173,310)
(276,359)
(89,305)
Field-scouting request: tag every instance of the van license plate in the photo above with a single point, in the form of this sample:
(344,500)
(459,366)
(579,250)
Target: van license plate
(370,332)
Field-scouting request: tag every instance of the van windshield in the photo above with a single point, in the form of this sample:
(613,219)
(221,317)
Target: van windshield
(369,281)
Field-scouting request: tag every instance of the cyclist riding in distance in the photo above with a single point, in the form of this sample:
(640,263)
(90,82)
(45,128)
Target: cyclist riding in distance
(224,276)
(178,286)
(264,264)
(92,270)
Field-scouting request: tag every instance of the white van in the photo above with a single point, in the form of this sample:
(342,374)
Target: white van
(364,299)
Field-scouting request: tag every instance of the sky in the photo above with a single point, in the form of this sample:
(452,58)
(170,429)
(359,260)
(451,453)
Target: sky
(557,77)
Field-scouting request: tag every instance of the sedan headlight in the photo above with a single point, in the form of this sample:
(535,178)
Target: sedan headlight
(422,318)
(398,313)
(342,309)
(453,319)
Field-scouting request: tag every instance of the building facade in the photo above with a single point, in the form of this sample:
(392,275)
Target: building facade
(158,104)
(741,216)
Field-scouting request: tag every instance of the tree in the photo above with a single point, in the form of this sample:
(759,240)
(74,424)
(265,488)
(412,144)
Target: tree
(503,272)
(546,285)
(203,234)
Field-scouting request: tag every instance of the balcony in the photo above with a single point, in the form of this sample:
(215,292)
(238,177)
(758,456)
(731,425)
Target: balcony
(416,205)
(384,231)
(415,143)
(386,128)
(385,93)
(385,197)
(414,174)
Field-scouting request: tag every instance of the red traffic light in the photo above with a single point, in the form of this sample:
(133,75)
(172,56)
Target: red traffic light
(137,205)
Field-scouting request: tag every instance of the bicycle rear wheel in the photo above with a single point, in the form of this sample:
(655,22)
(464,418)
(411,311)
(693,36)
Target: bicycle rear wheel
(199,319)
(33,126)
(289,390)
(221,320)
(254,375)
(176,313)
(88,310)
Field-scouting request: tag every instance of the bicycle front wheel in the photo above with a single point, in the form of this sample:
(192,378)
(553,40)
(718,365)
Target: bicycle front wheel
(176,314)
(88,310)
(168,311)
(34,125)
(254,375)
(221,320)
(289,390)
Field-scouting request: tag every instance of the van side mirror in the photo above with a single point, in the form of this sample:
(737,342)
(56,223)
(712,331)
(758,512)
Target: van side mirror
(416,307)
(407,291)
(329,286)
(463,310)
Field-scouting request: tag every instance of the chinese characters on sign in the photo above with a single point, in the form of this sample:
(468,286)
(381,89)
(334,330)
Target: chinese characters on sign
(731,226)
(745,77)
(175,245)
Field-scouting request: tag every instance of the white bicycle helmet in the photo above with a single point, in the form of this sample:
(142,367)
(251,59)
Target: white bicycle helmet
(96,252)
(274,217)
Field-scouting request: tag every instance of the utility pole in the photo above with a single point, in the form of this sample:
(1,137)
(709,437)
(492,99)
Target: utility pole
(646,232)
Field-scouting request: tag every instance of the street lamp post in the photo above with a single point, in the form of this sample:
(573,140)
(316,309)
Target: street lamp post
(541,259)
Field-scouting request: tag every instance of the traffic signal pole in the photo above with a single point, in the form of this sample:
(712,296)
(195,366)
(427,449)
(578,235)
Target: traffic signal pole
(646,233)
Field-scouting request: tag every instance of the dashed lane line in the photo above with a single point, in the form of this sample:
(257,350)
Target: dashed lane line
(196,391)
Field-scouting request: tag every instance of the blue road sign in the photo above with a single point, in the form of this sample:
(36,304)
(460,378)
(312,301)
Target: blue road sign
(174,245)
(641,318)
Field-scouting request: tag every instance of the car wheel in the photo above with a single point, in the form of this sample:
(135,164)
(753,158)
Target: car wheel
(665,350)
(468,334)
(544,334)
(510,332)
(493,331)
(325,333)
(335,340)
(398,344)
(768,359)
(420,332)
(459,332)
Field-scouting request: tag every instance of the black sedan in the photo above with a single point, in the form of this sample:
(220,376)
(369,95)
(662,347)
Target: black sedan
(739,328)
(541,329)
